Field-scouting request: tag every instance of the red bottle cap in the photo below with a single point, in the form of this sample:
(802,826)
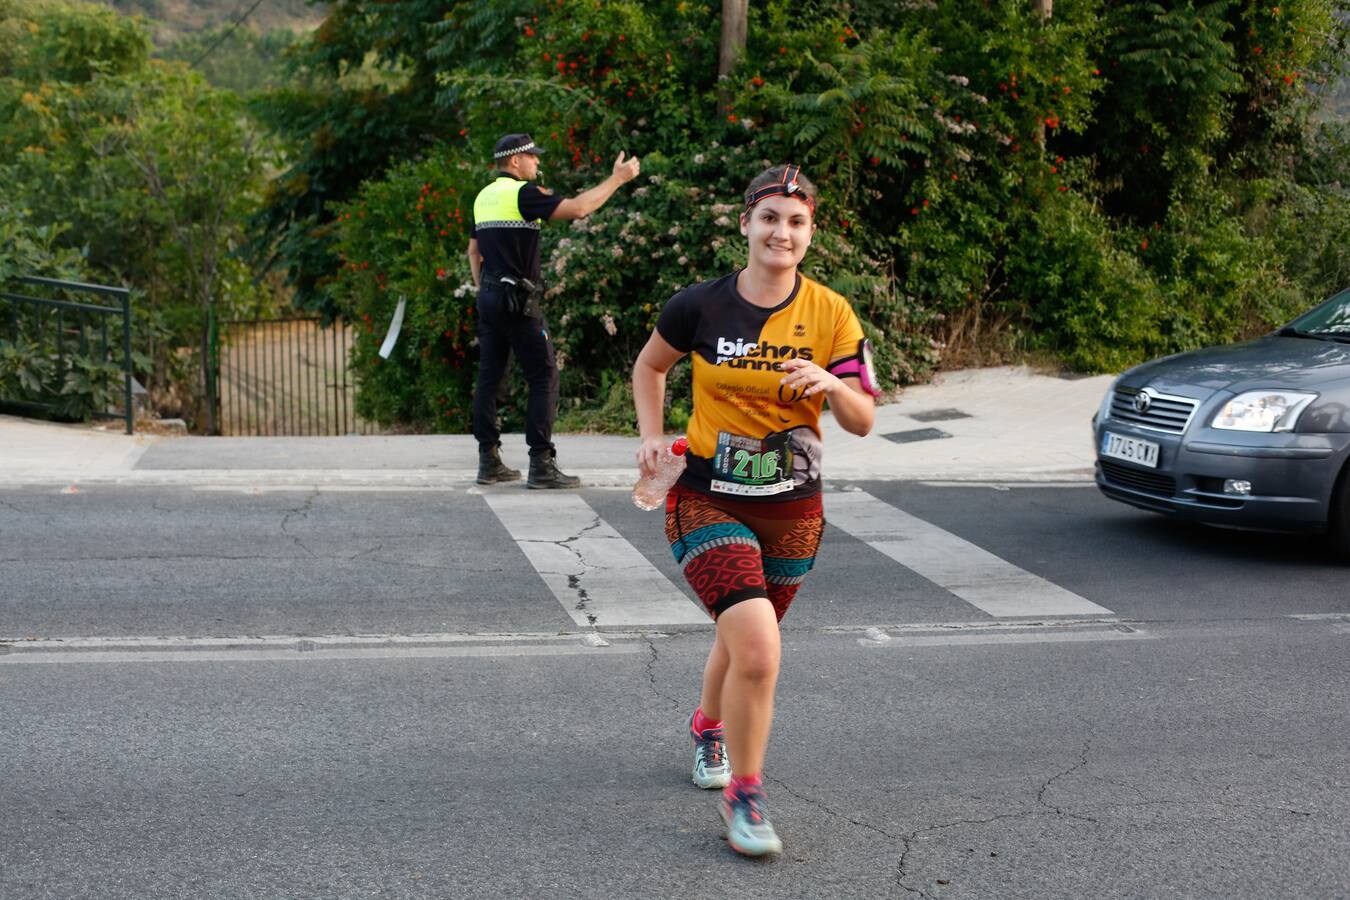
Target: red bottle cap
(679,446)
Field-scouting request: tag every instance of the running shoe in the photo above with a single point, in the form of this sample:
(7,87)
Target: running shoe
(712,768)
(749,830)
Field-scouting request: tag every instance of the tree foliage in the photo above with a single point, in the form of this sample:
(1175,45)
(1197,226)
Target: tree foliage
(1121,179)
(139,167)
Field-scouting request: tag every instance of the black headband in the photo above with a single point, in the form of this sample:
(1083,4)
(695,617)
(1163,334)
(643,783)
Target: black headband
(787,186)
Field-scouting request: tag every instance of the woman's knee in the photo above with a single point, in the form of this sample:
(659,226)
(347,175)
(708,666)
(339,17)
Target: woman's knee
(749,632)
(756,662)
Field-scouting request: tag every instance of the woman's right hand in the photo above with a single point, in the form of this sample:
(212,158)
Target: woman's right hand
(649,454)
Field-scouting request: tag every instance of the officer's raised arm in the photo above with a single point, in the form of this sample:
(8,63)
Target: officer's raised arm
(587,202)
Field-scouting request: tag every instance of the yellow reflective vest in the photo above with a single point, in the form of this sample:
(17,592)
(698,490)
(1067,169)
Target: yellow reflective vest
(498,206)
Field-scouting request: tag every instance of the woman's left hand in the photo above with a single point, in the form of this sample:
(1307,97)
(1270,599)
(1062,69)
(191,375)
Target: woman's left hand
(808,378)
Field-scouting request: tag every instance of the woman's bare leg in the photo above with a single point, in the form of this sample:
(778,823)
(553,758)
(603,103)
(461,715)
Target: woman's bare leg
(748,632)
(714,676)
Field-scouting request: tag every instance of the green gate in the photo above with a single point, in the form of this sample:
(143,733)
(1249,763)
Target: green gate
(51,348)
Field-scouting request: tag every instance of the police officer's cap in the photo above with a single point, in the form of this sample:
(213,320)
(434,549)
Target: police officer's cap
(512,144)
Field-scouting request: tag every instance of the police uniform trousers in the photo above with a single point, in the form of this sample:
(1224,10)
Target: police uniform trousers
(501,333)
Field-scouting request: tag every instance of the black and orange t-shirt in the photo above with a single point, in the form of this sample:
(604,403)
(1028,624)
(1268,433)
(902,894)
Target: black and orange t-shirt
(750,436)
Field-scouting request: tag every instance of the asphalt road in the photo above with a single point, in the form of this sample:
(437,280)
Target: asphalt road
(301,693)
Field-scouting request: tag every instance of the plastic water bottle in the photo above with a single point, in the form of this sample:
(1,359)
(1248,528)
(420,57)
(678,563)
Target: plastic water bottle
(650,492)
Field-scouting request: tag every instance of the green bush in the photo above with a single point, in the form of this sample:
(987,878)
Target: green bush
(405,236)
(607,276)
(1089,301)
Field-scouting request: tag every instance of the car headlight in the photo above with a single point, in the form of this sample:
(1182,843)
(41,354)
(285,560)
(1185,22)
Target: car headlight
(1104,408)
(1263,411)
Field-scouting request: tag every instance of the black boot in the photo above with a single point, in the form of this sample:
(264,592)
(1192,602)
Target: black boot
(544,473)
(491,469)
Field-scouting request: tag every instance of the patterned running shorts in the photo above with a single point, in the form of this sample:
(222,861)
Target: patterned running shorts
(733,550)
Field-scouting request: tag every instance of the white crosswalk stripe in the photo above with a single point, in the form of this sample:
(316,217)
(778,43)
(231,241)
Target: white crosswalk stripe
(975,575)
(596,574)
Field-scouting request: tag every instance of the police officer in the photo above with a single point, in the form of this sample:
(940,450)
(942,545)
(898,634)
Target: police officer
(504,255)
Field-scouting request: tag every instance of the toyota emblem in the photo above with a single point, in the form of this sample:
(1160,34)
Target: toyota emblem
(1142,401)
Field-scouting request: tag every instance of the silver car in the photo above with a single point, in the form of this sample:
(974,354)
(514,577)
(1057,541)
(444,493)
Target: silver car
(1252,435)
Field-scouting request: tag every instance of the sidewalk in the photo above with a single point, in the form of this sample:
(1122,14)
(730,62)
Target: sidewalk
(997,424)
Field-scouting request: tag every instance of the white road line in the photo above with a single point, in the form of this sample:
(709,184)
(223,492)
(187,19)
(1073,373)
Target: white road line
(596,574)
(295,655)
(975,575)
(272,641)
(1043,637)
(1010,485)
(1002,626)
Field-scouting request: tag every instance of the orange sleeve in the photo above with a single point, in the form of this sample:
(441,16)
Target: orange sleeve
(847,331)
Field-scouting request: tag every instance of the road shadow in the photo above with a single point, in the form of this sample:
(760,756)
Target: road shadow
(1213,542)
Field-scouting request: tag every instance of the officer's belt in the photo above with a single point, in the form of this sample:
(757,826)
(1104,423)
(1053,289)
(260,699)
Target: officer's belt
(511,281)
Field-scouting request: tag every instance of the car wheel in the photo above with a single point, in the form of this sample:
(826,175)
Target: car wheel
(1338,517)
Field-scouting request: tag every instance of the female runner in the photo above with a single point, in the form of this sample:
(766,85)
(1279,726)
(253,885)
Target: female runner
(769,346)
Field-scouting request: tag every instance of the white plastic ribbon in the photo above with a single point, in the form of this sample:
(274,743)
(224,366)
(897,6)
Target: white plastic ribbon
(394,328)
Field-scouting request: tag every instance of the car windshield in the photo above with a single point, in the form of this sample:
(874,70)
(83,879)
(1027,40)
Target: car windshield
(1332,317)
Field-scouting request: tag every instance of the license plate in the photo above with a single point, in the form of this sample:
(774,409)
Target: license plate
(1142,453)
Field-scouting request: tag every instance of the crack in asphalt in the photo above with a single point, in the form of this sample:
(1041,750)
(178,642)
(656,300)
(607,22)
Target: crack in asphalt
(1191,803)
(574,581)
(302,511)
(1121,784)
(8,505)
(908,840)
(826,808)
(367,554)
(652,659)
(1059,810)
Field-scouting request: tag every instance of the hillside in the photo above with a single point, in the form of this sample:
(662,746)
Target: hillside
(171,19)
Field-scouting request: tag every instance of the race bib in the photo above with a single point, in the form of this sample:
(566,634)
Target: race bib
(752,467)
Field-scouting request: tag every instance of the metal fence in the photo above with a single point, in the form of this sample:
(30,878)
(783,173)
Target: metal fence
(287,377)
(59,331)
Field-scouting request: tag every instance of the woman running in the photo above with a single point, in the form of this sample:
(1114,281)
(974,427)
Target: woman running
(769,346)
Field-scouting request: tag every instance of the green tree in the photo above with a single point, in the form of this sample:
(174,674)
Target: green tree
(148,172)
